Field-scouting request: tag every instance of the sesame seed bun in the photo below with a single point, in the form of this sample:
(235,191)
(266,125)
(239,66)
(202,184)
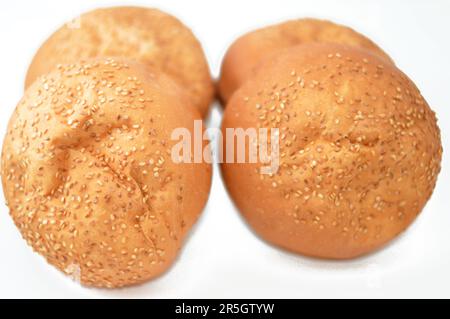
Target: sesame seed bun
(360,151)
(251,49)
(88,176)
(149,36)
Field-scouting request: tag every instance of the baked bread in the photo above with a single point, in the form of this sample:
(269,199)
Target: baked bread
(359,151)
(149,36)
(247,52)
(88,176)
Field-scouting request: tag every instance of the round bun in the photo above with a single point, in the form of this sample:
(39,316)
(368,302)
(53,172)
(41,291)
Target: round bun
(247,52)
(88,176)
(359,151)
(149,36)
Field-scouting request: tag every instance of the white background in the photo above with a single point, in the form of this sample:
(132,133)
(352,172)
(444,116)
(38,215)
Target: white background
(222,257)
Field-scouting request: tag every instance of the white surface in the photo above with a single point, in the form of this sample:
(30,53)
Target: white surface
(222,257)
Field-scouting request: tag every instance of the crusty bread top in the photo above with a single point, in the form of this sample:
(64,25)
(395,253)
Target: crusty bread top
(88,176)
(251,49)
(360,151)
(146,35)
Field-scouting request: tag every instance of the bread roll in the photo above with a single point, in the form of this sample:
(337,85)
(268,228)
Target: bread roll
(360,151)
(88,176)
(149,36)
(247,52)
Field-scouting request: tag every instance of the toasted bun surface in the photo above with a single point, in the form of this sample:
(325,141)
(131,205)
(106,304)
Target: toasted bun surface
(360,151)
(149,36)
(88,176)
(247,52)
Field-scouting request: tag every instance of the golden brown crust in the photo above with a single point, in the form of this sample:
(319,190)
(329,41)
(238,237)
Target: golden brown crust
(146,35)
(360,151)
(247,52)
(88,176)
